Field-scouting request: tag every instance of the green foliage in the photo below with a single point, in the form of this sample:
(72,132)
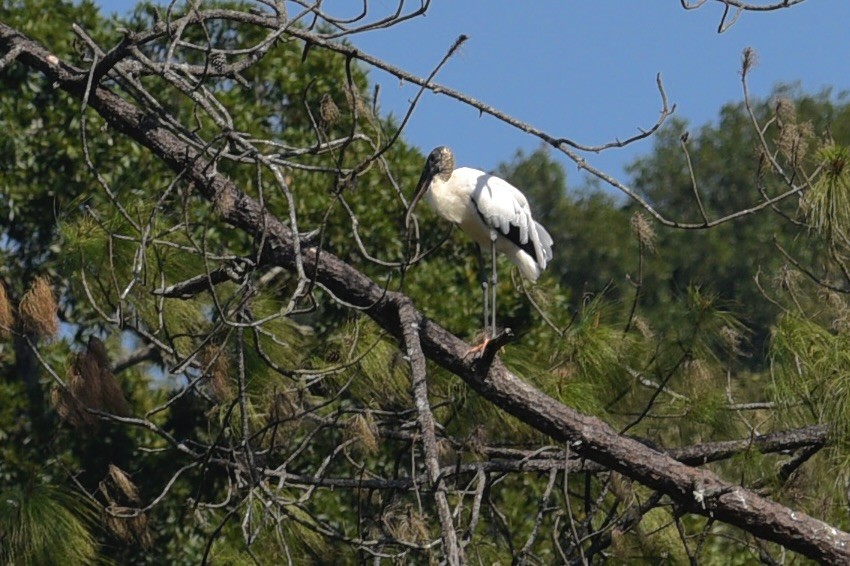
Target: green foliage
(726,163)
(827,203)
(371,363)
(43,524)
(812,367)
(41,170)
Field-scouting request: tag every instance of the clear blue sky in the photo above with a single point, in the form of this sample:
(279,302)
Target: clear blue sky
(586,70)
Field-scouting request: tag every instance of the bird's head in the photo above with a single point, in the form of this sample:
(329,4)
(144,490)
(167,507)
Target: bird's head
(440,164)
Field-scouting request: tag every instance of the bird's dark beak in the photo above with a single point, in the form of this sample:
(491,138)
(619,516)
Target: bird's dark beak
(421,187)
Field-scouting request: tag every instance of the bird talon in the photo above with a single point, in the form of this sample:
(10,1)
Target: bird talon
(477,351)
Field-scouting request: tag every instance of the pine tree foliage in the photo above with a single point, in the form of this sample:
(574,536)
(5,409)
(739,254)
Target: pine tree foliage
(46,525)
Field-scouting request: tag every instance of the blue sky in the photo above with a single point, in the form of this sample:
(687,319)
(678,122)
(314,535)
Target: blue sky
(586,70)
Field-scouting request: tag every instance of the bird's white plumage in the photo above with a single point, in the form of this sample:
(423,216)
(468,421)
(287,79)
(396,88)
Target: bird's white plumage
(488,208)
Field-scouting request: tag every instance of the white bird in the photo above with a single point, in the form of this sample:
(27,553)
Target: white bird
(491,211)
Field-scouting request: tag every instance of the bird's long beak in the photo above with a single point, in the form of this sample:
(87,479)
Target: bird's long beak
(421,187)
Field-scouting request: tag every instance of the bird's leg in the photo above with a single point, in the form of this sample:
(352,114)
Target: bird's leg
(494,280)
(482,274)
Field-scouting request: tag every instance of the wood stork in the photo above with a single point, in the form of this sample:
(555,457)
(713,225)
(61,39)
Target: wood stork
(492,212)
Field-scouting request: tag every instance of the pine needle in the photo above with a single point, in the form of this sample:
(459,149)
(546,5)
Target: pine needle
(827,203)
(41,524)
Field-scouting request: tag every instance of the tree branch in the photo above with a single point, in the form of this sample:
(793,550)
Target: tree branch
(409,320)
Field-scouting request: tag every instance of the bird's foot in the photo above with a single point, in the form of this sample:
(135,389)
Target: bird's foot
(477,351)
(482,355)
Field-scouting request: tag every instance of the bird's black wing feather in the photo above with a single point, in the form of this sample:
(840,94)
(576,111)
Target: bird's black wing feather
(528,247)
(512,235)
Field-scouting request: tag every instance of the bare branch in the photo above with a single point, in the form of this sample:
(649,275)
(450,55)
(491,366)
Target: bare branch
(410,321)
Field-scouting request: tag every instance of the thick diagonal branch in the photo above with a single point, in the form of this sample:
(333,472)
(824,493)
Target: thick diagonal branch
(694,490)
